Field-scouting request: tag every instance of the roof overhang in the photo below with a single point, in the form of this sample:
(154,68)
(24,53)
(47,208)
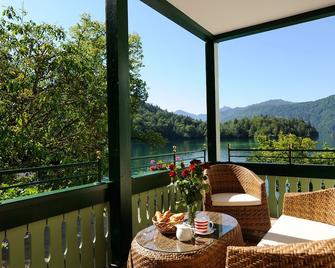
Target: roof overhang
(222,20)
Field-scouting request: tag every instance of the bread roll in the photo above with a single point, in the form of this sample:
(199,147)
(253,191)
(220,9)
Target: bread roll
(177,217)
(166,216)
(158,216)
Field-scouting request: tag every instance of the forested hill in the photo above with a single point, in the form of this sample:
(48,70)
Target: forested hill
(320,113)
(158,124)
(267,125)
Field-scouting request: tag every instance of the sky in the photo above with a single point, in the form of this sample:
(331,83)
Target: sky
(295,63)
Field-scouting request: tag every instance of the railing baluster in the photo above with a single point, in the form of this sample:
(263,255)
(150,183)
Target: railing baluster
(27,248)
(267,186)
(162,201)
(147,203)
(5,249)
(277,195)
(143,207)
(155,202)
(64,240)
(93,234)
(323,185)
(169,198)
(47,252)
(175,198)
(139,218)
(299,190)
(287,186)
(310,186)
(79,238)
(106,235)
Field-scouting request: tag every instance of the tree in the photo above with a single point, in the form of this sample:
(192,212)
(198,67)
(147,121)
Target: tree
(298,145)
(53,90)
(266,125)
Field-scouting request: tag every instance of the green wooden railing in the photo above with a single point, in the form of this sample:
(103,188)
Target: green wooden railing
(63,228)
(277,186)
(288,156)
(32,180)
(69,227)
(142,165)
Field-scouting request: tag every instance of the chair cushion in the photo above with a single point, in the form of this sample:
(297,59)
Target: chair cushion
(287,230)
(234,199)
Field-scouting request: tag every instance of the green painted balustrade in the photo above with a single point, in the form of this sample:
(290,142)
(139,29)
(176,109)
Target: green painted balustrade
(70,227)
(145,204)
(75,239)
(277,186)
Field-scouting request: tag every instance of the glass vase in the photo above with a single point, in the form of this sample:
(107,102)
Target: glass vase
(191,210)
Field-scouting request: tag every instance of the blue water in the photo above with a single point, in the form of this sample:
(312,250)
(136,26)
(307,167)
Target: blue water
(141,149)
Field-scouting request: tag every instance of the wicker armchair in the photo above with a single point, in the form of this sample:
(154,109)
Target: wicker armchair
(316,206)
(228,178)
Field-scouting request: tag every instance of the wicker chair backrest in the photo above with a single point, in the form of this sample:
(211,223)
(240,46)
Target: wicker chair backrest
(223,178)
(316,206)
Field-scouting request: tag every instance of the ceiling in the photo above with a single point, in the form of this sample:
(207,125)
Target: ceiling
(222,16)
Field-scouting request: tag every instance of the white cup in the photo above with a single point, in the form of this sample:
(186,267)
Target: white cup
(184,232)
(203,224)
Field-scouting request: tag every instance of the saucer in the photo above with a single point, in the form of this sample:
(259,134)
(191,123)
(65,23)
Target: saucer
(210,231)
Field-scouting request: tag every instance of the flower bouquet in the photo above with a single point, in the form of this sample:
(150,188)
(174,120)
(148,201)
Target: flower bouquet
(192,184)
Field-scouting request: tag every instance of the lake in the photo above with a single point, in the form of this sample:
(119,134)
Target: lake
(140,149)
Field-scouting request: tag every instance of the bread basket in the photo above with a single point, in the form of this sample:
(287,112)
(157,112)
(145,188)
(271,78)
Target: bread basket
(166,227)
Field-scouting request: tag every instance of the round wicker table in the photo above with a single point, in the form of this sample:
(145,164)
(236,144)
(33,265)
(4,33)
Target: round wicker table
(152,249)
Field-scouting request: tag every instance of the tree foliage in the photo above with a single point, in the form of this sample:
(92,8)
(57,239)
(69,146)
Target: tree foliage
(268,126)
(53,90)
(299,147)
(165,125)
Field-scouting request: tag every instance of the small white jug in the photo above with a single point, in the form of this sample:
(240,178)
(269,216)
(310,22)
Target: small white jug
(184,232)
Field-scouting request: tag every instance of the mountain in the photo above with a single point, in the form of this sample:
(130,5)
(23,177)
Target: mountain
(275,102)
(201,117)
(320,113)
(225,108)
(154,125)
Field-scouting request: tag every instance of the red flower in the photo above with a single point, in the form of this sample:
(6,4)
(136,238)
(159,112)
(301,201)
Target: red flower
(153,168)
(191,167)
(172,173)
(185,172)
(171,166)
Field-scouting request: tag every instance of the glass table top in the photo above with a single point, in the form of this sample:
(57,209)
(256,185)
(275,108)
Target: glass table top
(150,238)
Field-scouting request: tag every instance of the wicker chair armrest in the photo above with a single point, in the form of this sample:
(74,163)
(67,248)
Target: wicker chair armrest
(315,206)
(307,254)
(252,184)
(208,200)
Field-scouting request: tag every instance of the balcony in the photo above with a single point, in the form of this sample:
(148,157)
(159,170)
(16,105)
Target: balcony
(91,221)
(71,227)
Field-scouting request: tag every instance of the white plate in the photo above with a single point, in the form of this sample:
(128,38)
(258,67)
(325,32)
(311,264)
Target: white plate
(207,233)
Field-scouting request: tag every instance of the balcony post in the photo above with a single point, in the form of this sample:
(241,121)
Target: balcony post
(212,97)
(119,132)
